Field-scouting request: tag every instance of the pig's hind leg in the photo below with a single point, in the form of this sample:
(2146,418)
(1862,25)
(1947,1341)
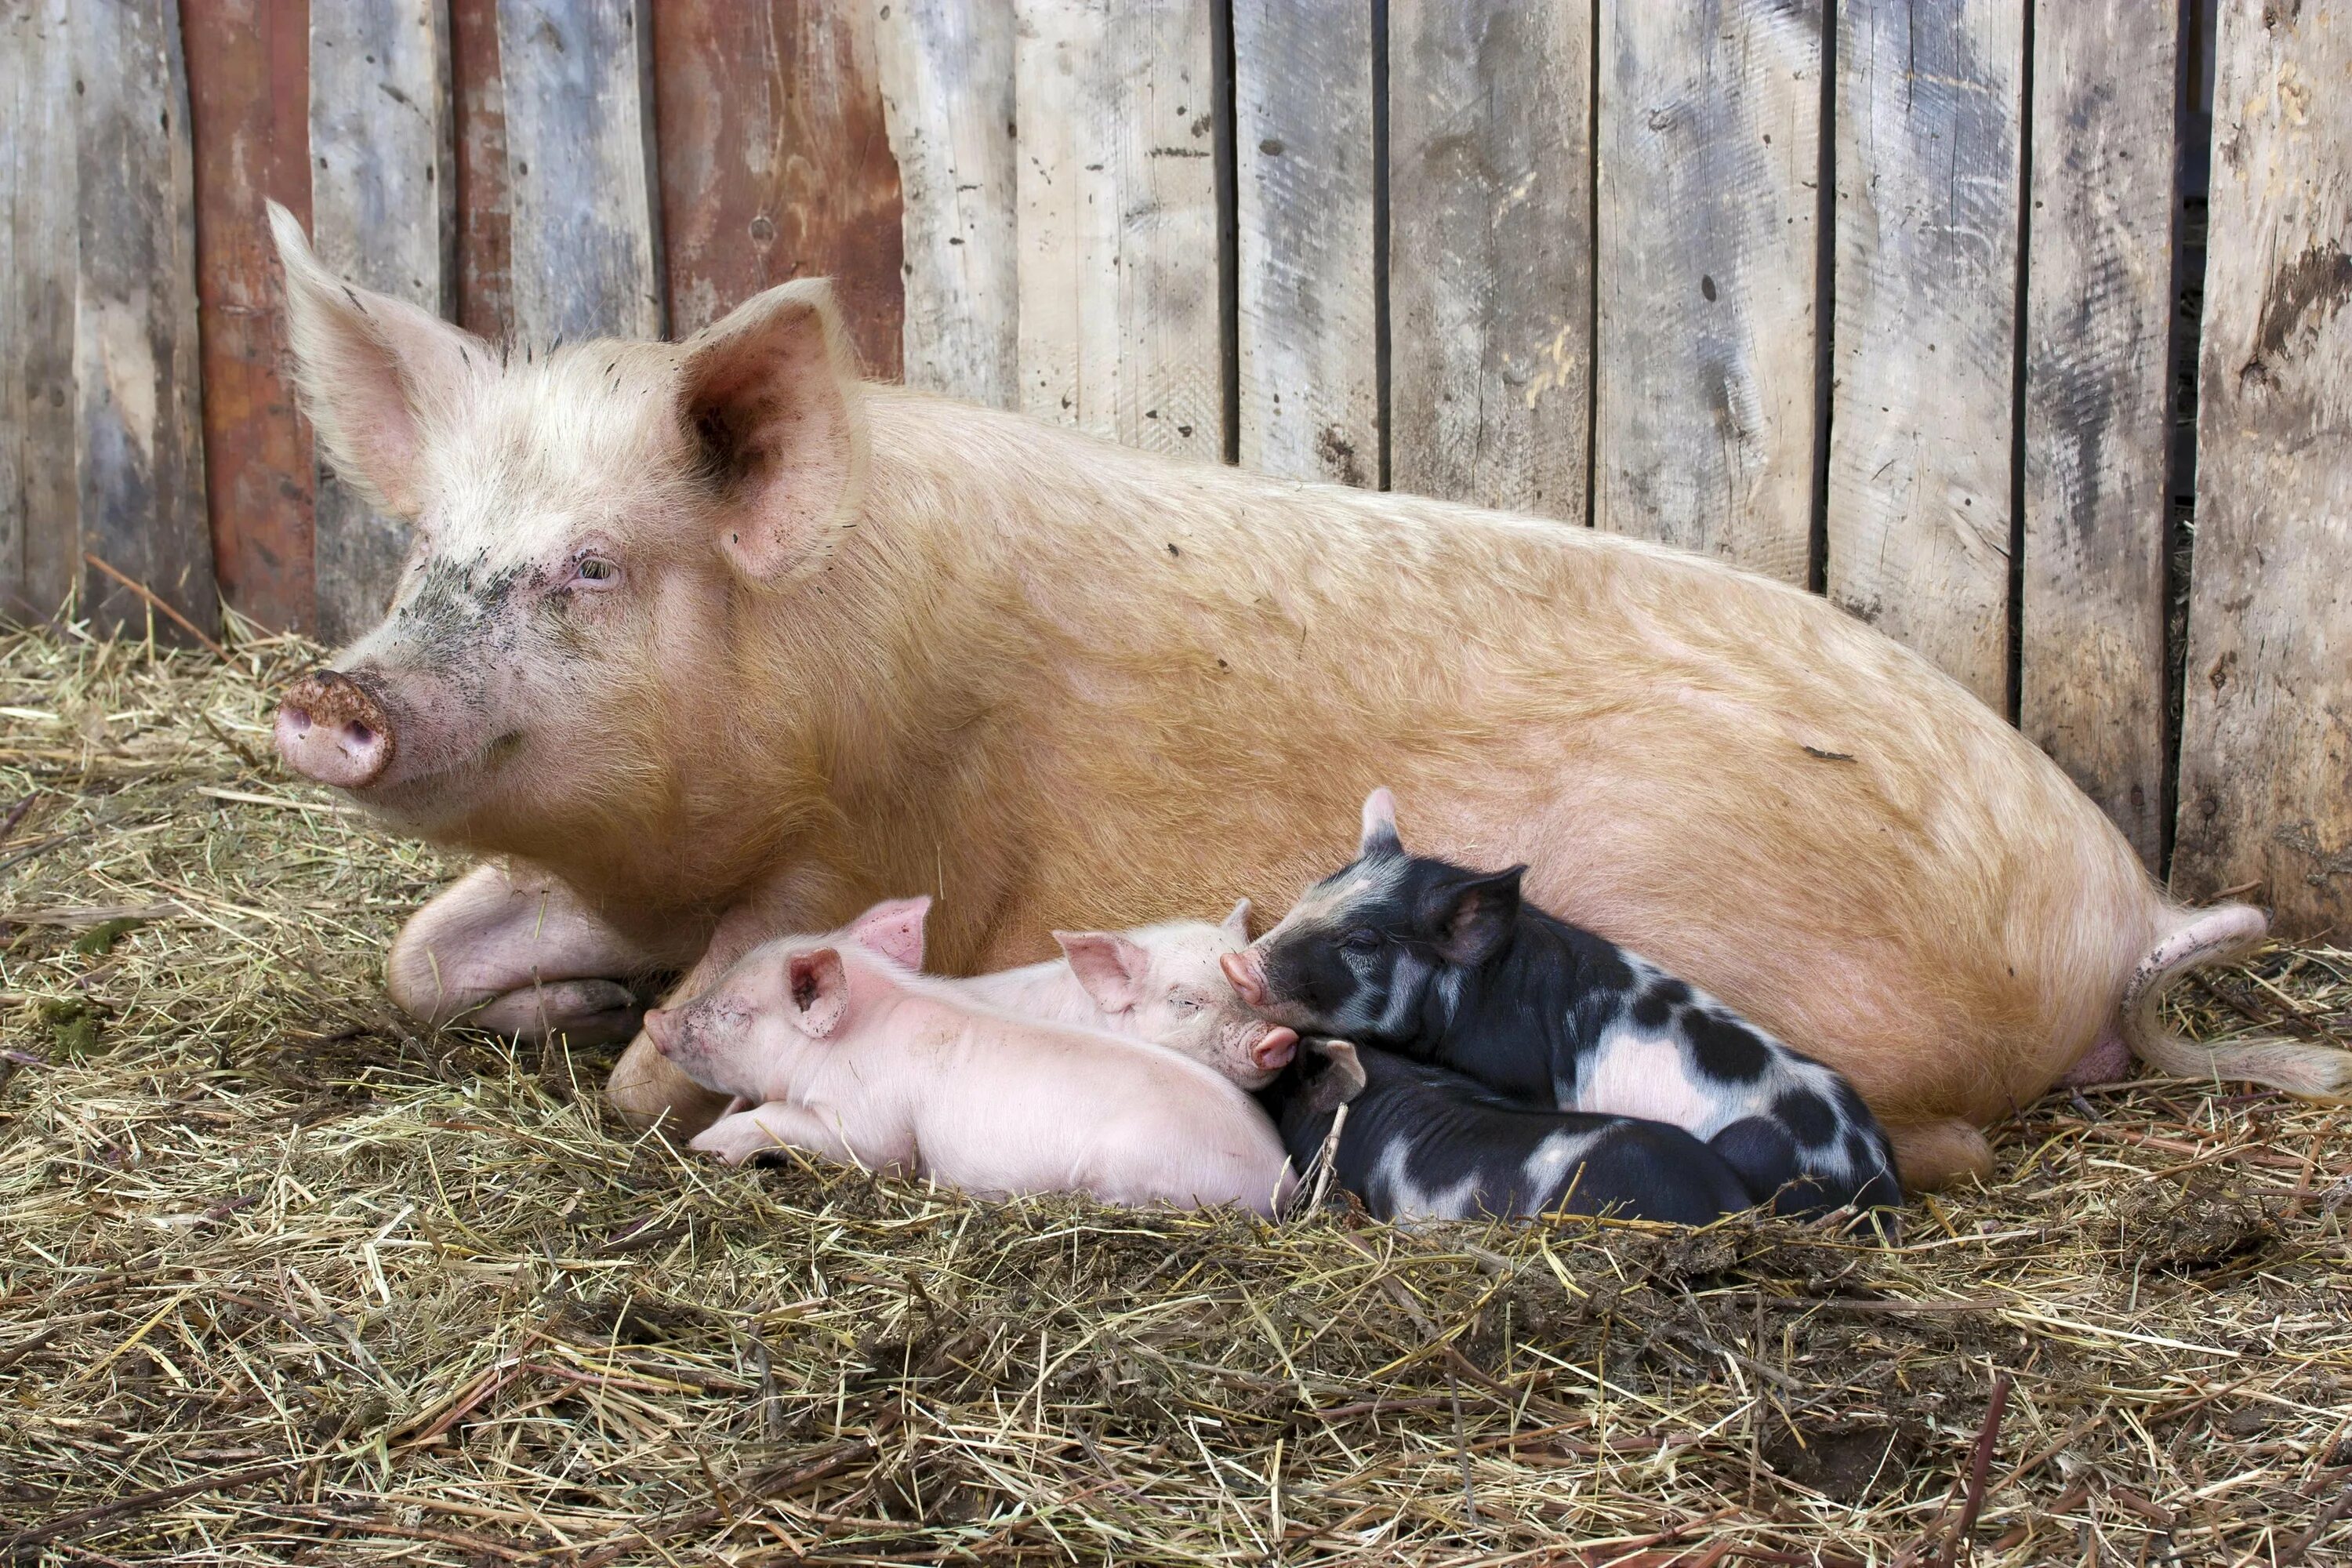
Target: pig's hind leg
(515,952)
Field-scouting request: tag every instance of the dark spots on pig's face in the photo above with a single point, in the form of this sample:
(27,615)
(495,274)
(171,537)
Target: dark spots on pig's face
(1341,961)
(1726,1048)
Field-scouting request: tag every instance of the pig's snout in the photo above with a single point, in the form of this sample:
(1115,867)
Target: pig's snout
(661,1027)
(1275,1048)
(331,732)
(1246,974)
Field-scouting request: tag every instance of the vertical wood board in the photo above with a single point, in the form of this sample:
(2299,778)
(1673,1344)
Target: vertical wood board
(2098,322)
(1308,284)
(1116,183)
(1709,133)
(947,73)
(1928,109)
(39,537)
(138,438)
(382,202)
(2266,749)
(579,122)
(485,218)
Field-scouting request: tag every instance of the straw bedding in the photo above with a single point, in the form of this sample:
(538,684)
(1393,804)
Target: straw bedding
(287,1280)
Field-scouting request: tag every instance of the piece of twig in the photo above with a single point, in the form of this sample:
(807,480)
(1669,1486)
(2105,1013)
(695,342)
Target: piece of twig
(1979,1466)
(140,1502)
(2319,1527)
(149,595)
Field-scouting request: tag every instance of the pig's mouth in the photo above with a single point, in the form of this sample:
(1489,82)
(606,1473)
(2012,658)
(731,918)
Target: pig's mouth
(438,790)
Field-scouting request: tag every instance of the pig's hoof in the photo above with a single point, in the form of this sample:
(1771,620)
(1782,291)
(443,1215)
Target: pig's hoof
(587,1013)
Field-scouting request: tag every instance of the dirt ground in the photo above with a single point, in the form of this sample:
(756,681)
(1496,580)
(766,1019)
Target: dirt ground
(286,1279)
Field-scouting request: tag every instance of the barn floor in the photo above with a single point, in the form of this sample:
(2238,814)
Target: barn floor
(285,1280)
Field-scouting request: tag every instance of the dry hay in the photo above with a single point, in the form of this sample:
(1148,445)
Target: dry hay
(287,1280)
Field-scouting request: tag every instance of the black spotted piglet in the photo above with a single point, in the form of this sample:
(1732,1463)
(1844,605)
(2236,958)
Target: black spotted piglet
(1449,965)
(1422,1141)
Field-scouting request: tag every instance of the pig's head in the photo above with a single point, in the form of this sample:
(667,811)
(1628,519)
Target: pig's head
(589,524)
(1365,952)
(759,1031)
(1165,984)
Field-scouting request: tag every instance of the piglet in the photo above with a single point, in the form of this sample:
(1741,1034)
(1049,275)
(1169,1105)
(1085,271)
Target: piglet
(840,1051)
(1420,1141)
(1450,966)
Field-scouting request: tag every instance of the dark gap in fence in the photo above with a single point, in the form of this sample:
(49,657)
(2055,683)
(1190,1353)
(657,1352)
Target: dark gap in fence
(640,20)
(1380,231)
(2015,696)
(1592,267)
(1229,250)
(1817,546)
(2192,170)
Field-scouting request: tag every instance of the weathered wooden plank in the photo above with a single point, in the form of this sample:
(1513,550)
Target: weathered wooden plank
(485,221)
(383,203)
(249,96)
(775,162)
(1709,131)
(1307,281)
(1928,183)
(1119,320)
(2098,322)
(139,452)
(2266,747)
(947,97)
(39,549)
(580,169)
(1490,251)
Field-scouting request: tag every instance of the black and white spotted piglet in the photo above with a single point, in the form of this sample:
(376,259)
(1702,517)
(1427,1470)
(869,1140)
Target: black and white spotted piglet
(1449,965)
(1422,1141)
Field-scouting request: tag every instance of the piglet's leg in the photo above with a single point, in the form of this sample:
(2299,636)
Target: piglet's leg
(513,952)
(776,1124)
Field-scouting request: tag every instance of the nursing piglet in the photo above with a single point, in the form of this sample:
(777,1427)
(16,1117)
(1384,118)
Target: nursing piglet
(1422,1141)
(1450,966)
(842,1051)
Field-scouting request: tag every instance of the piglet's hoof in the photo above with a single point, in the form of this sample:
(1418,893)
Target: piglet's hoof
(586,1013)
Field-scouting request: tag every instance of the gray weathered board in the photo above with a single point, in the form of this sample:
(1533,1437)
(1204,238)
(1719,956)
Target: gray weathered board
(1490,253)
(579,125)
(2098,322)
(138,437)
(947,73)
(1925,339)
(1118,226)
(1710,155)
(1309,287)
(39,548)
(2266,744)
(382,216)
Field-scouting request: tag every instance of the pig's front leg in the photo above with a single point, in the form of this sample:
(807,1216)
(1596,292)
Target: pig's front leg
(779,1124)
(514,951)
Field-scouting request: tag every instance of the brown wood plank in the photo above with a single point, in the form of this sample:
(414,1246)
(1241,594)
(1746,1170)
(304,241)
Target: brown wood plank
(2098,322)
(947,76)
(1709,131)
(485,223)
(586,253)
(39,538)
(382,198)
(1490,251)
(2266,748)
(1308,290)
(139,436)
(249,91)
(775,162)
(1928,120)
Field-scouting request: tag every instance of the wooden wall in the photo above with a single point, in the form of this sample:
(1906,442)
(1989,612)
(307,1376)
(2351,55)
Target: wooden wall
(1876,295)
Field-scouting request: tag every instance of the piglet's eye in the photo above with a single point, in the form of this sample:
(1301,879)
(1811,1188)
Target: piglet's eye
(1362,939)
(595,569)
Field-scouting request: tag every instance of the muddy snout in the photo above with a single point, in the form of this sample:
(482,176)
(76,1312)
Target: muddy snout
(331,732)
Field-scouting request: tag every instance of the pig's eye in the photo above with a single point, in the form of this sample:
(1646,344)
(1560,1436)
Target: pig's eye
(595,569)
(1363,939)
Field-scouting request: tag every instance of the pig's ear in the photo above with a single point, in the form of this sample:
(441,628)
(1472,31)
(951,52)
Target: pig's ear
(771,400)
(1237,923)
(816,987)
(1472,918)
(1341,1079)
(895,929)
(377,374)
(1380,834)
(1111,968)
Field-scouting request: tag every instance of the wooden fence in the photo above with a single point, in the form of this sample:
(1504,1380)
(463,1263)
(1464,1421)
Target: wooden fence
(1873,295)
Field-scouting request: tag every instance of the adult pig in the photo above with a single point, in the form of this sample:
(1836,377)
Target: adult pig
(702,643)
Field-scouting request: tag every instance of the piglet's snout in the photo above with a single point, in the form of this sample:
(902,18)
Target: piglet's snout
(661,1027)
(1275,1048)
(1246,975)
(331,732)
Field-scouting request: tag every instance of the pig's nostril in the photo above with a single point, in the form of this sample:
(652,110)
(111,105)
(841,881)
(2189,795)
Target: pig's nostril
(358,737)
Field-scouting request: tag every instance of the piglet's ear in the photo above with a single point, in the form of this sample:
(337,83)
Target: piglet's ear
(1380,833)
(1237,923)
(894,929)
(816,988)
(770,398)
(1111,968)
(1473,917)
(1341,1079)
(377,375)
